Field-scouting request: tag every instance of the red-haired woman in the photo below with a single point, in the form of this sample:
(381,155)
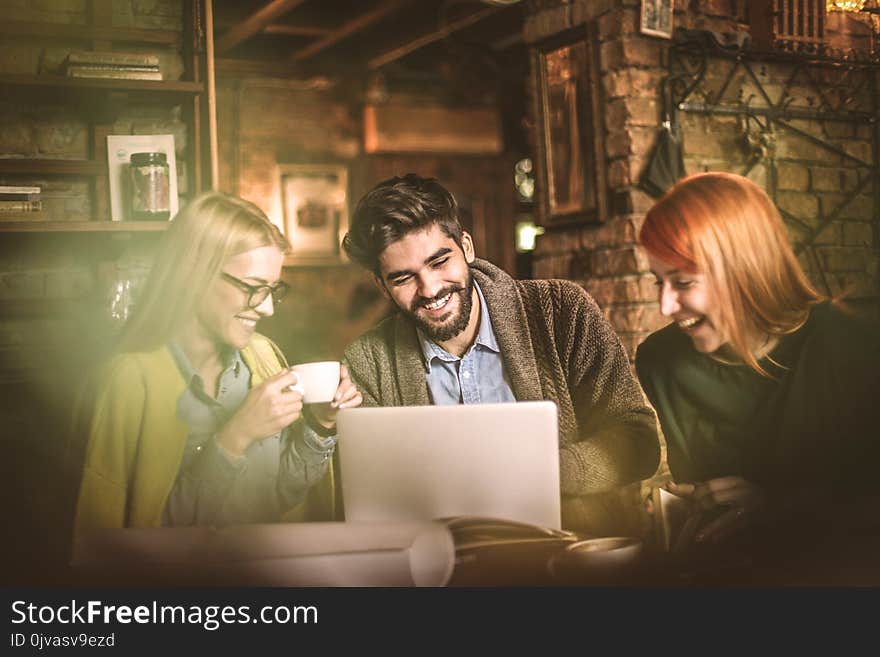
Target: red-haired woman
(767,394)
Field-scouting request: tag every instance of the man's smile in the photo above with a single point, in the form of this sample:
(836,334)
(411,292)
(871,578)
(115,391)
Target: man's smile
(439,303)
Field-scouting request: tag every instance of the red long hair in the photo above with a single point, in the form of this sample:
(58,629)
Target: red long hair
(726,227)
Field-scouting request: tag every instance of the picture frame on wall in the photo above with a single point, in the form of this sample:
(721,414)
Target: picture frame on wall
(314,201)
(656,18)
(570,167)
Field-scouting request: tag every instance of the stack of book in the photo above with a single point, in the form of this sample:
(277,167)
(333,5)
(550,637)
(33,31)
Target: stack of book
(20,203)
(118,65)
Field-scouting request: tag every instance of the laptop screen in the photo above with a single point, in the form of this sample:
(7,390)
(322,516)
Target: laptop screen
(406,463)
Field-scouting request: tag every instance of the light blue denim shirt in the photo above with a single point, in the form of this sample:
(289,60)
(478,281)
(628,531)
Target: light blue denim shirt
(216,488)
(478,377)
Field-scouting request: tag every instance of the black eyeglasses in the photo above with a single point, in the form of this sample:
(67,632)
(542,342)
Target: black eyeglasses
(257,294)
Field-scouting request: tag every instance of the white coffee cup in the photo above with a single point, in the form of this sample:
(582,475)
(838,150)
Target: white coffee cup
(318,381)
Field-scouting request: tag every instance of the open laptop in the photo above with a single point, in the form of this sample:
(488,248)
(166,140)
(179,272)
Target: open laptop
(402,463)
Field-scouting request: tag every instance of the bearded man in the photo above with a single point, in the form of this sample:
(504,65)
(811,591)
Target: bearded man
(467,333)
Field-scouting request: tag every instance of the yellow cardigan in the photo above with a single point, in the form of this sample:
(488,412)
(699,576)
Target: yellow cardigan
(136,441)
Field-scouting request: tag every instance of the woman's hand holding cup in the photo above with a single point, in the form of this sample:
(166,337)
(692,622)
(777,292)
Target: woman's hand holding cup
(323,406)
(267,409)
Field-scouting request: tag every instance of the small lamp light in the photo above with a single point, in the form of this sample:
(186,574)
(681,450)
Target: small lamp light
(526,232)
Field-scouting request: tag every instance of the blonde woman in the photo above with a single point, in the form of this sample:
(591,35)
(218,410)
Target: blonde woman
(194,422)
(766,392)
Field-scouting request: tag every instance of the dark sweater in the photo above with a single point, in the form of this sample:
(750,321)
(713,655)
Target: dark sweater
(814,424)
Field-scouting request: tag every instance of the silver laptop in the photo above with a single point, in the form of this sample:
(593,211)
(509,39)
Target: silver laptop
(404,463)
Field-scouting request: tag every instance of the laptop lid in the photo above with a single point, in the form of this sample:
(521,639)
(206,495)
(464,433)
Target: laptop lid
(403,463)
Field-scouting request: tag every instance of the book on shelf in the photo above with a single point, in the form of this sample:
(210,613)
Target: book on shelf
(19,189)
(120,74)
(93,57)
(33,215)
(7,196)
(20,206)
(113,67)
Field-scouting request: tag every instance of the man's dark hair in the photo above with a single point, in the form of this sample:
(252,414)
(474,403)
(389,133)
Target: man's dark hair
(393,209)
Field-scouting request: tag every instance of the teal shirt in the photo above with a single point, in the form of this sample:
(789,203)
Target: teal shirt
(816,421)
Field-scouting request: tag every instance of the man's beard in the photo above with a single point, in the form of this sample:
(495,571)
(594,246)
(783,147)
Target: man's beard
(450,328)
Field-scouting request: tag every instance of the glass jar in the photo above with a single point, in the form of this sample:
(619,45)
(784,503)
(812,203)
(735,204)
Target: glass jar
(150,187)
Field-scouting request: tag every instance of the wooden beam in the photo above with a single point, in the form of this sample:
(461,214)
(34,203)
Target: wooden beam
(226,67)
(286,29)
(429,37)
(297,30)
(255,23)
(347,29)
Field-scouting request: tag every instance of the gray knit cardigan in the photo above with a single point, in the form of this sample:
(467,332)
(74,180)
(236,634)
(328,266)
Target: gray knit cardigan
(556,345)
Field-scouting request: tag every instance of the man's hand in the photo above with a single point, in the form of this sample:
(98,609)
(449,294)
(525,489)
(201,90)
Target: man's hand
(267,409)
(347,396)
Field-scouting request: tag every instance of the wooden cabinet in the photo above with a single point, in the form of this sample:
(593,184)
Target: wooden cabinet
(98,102)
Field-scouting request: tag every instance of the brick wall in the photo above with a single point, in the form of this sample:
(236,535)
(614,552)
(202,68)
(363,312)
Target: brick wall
(820,172)
(810,182)
(604,257)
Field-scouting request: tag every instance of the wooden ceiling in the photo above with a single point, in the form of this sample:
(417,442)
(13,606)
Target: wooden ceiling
(354,38)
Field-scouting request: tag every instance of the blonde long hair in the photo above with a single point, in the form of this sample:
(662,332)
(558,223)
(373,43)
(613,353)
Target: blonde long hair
(212,228)
(726,227)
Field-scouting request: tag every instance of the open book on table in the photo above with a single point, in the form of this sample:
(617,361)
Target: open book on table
(471,532)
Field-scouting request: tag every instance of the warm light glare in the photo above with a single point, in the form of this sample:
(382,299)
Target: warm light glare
(845,5)
(526,232)
(524,179)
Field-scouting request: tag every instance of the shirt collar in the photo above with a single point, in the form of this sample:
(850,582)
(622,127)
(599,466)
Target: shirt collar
(230,357)
(485,337)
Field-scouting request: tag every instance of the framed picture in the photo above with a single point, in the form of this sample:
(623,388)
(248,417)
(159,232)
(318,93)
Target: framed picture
(570,144)
(657,18)
(314,200)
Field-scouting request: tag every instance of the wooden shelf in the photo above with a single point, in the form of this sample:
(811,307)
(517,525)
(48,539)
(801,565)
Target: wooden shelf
(99,102)
(31,216)
(65,85)
(89,33)
(83,226)
(38,166)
